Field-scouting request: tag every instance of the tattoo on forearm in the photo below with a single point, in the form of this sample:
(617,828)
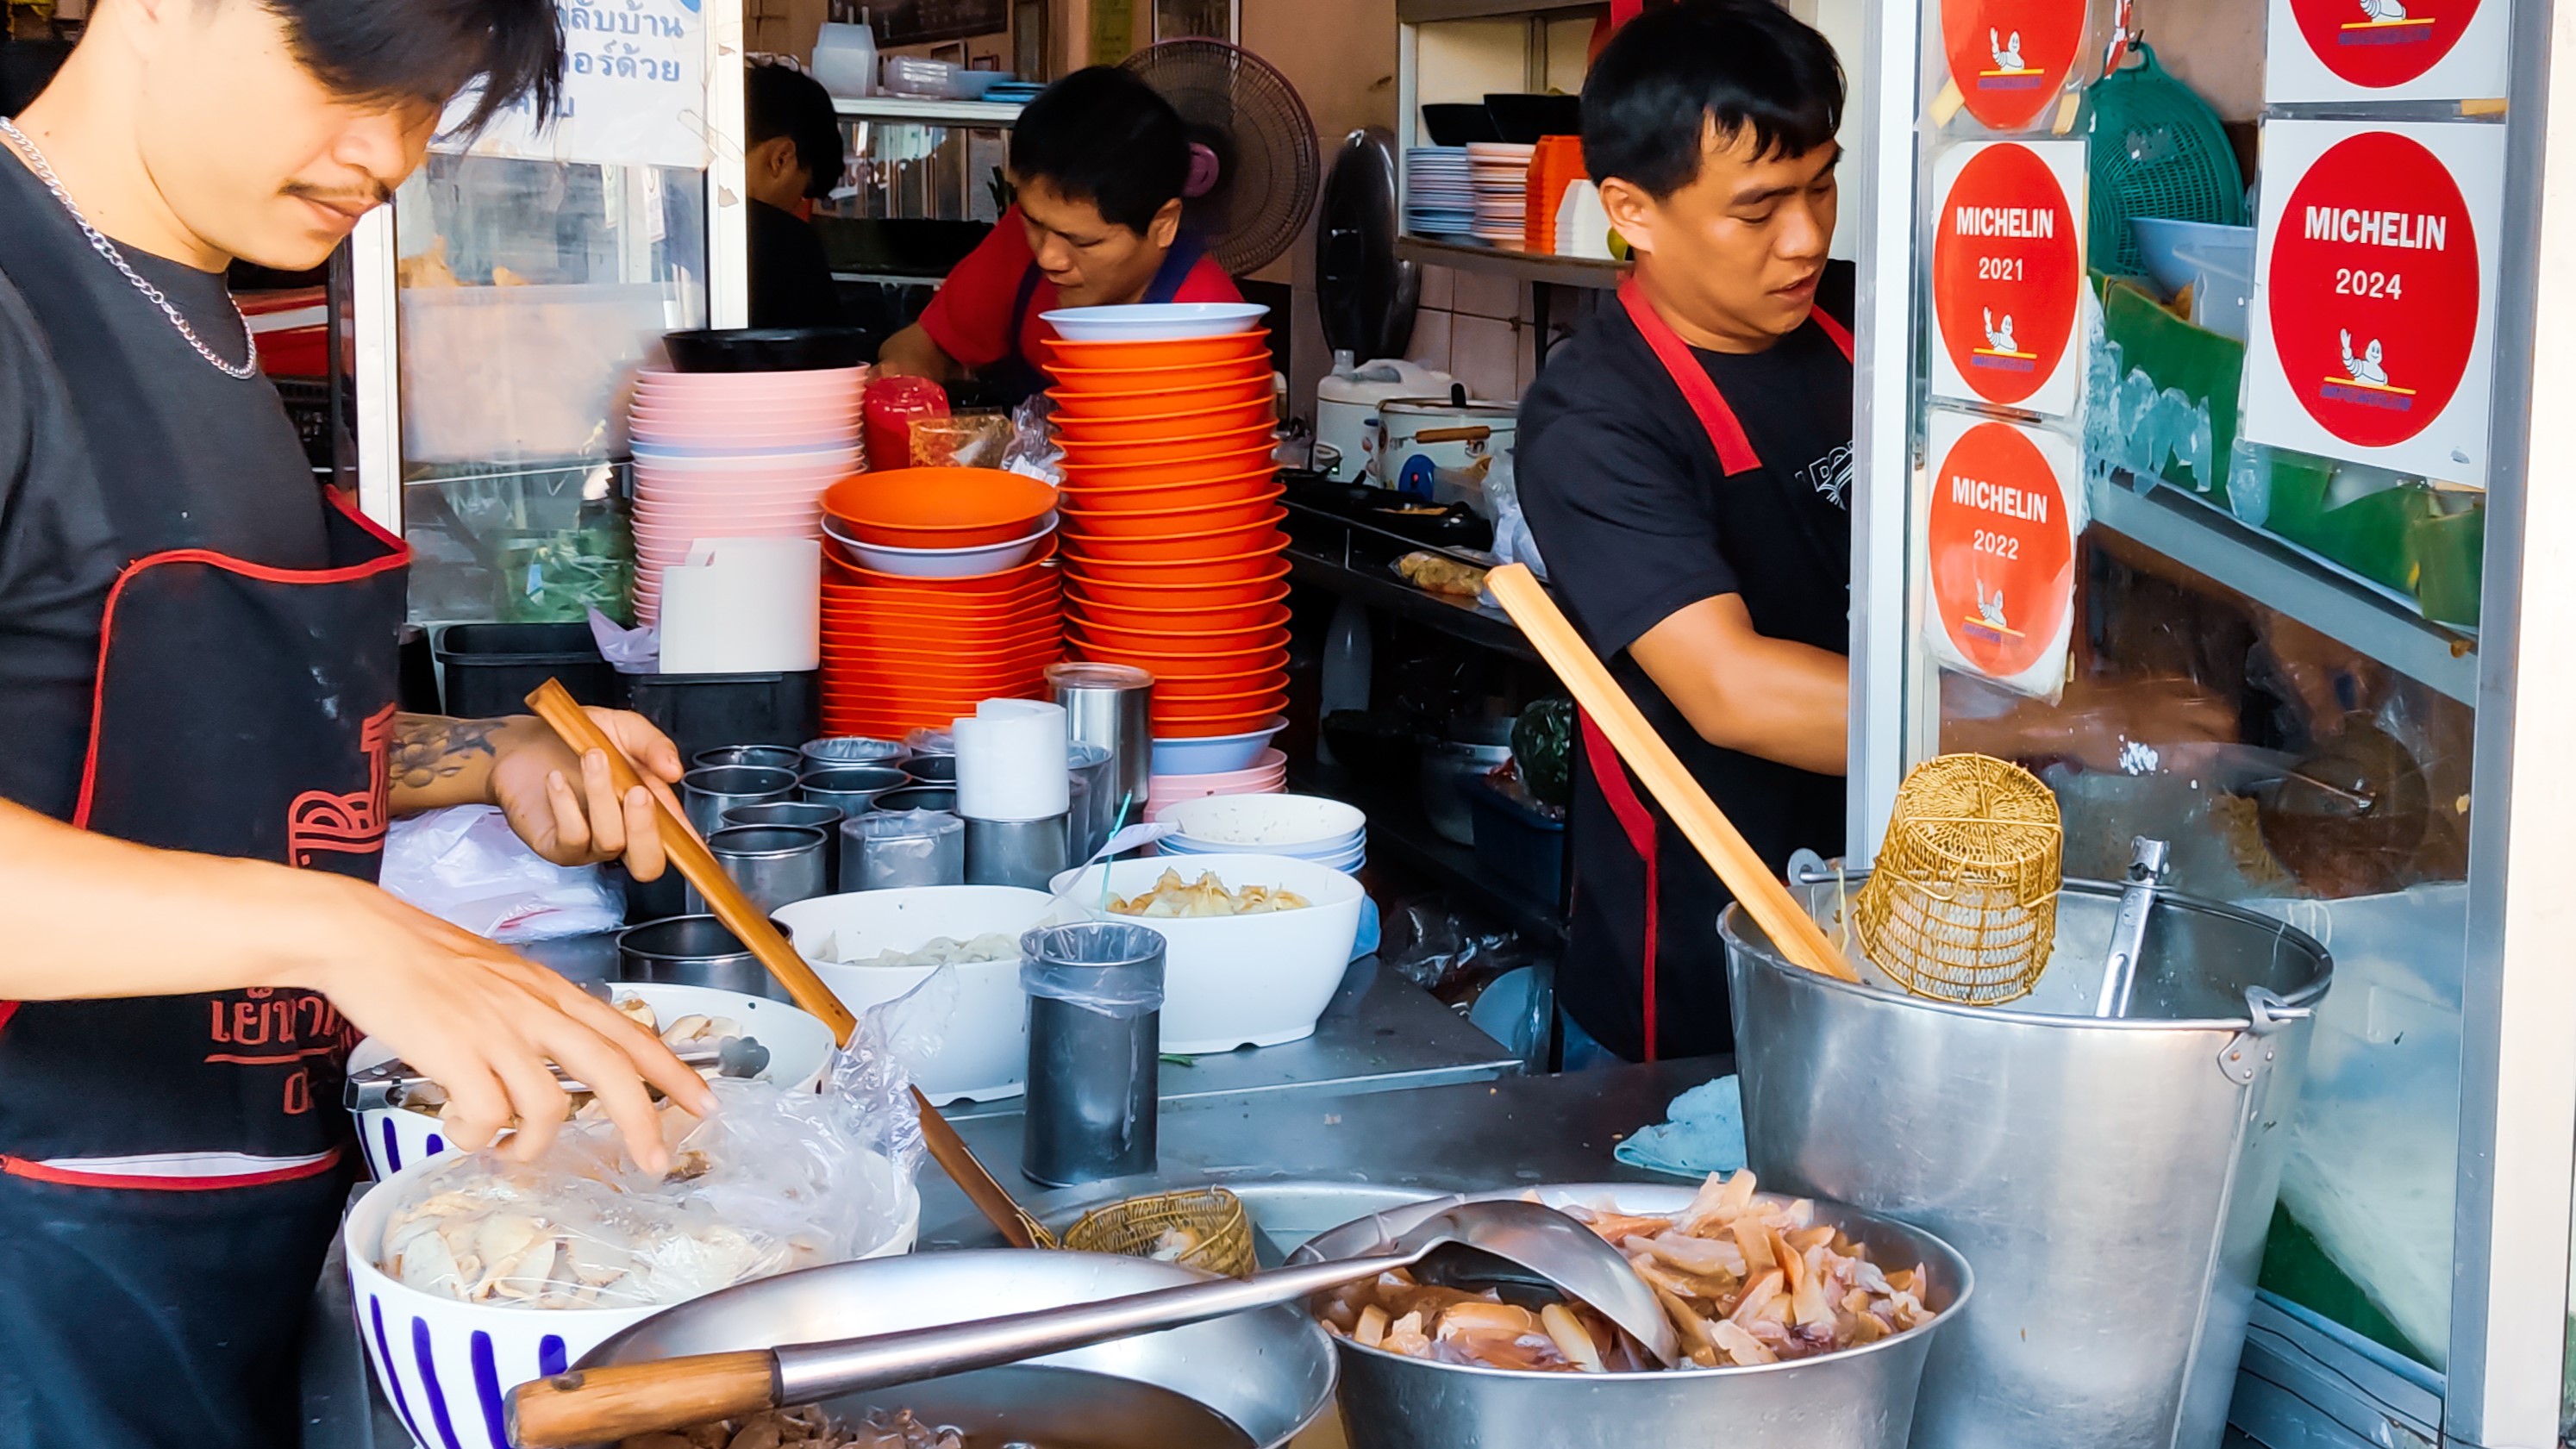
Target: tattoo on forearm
(429,748)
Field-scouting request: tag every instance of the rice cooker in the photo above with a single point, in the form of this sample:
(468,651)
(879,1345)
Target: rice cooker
(1420,436)
(1346,404)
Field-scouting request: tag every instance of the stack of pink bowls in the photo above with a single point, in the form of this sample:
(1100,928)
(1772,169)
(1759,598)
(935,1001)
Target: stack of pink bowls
(1171,527)
(1266,775)
(735,455)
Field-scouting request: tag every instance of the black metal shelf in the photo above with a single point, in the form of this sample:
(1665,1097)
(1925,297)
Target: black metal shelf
(1348,557)
(1401,834)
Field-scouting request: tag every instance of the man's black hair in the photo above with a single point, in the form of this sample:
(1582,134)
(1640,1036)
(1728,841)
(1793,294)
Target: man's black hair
(780,100)
(1104,136)
(430,50)
(1672,72)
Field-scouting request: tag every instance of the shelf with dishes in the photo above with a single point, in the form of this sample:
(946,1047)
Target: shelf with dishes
(928,111)
(1467,256)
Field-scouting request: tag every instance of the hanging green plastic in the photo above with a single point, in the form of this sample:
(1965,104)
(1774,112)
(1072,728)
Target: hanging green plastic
(2154,148)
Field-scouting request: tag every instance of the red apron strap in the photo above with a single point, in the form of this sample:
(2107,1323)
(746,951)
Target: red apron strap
(1638,824)
(1734,450)
(1840,335)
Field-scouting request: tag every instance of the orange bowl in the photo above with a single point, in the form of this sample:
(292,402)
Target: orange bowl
(1213,728)
(1179,625)
(1086,481)
(1257,704)
(1158,643)
(938,507)
(1218,558)
(1259,486)
(1140,588)
(1185,693)
(1169,524)
(1076,381)
(1151,402)
(841,573)
(874,640)
(1172,450)
(1165,427)
(971,609)
(1166,352)
(1183,666)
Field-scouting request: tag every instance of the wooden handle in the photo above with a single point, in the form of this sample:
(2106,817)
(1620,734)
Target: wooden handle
(750,925)
(1475,433)
(1709,831)
(603,1405)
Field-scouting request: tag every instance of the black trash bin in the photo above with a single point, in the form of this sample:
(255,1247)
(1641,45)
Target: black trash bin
(491,669)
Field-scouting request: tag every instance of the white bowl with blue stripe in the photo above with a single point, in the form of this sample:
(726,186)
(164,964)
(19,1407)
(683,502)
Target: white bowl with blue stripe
(800,1046)
(448,1366)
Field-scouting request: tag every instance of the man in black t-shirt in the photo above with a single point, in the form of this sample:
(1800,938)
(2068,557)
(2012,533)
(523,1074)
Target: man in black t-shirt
(795,156)
(1685,464)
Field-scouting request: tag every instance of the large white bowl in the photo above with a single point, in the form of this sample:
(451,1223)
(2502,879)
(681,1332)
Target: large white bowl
(984,1053)
(1154,321)
(449,1366)
(1288,824)
(1237,981)
(937,563)
(395,1138)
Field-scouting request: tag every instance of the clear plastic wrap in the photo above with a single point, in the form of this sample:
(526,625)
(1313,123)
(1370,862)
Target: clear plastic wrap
(777,1179)
(467,867)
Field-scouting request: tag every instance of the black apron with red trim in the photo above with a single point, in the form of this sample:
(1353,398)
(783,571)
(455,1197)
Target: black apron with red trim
(1019,376)
(170,1167)
(1641,825)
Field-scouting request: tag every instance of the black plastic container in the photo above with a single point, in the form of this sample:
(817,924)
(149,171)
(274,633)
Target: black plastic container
(702,711)
(491,669)
(1516,841)
(770,349)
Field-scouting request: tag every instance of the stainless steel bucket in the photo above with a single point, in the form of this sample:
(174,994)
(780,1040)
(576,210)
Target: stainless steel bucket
(2110,1181)
(1861,1398)
(1270,1372)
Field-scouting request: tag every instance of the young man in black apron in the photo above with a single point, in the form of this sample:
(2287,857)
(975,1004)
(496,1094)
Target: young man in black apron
(1101,162)
(1685,462)
(199,748)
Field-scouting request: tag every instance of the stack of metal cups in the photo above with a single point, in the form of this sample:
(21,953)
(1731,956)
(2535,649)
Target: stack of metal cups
(1111,706)
(1095,993)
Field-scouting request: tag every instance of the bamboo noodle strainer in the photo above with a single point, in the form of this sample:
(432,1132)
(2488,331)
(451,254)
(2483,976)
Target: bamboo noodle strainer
(1961,905)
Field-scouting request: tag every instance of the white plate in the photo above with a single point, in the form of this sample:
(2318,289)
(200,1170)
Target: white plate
(1289,824)
(936,563)
(1154,321)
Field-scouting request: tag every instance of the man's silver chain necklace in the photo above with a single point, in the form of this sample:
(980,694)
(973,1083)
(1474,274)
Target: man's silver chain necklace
(105,248)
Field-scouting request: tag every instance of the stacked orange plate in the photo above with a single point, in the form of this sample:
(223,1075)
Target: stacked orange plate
(940,590)
(1171,513)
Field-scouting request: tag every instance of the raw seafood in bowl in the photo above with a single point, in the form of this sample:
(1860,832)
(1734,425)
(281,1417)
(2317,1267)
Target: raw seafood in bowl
(1235,979)
(394,1138)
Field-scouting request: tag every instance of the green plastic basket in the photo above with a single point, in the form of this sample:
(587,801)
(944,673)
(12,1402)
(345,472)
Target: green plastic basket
(2154,148)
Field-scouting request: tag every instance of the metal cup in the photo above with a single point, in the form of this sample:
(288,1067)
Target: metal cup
(1111,705)
(694,951)
(772,757)
(884,849)
(826,818)
(1091,792)
(776,865)
(1023,853)
(932,769)
(920,797)
(1095,993)
(854,788)
(709,791)
(832,751)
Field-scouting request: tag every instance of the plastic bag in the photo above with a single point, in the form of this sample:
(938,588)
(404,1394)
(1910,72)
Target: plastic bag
(780,1178)
(466,866)
(1033,451)
(1512,540)
(961,440)
(628,651)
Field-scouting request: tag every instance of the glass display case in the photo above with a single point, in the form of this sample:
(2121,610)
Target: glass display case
(506,299)
(925,180)
(2196,477)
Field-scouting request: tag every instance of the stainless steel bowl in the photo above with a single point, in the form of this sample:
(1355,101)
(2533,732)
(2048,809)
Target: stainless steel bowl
(1270,1373)
(694,951)
(1861,1398)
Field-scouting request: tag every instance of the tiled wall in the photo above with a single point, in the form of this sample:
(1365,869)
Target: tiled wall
(1482,329)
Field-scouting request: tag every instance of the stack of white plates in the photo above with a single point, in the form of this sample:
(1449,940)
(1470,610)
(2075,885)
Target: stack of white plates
(735,455)
(1499,172)
(1301,827)
(1439,193)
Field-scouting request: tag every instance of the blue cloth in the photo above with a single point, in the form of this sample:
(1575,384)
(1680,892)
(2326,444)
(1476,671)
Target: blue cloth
(1366,942)
(1705,1133)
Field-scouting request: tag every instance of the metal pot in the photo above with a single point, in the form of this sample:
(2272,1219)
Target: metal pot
(2111,1181)
(1861,1398)
(1270,1373)
(1419,436)
(854,788)
(694,951)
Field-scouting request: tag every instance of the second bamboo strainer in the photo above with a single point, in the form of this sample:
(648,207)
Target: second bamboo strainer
(1961,905)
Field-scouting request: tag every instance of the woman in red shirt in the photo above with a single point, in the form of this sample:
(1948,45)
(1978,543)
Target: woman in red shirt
(1101,163)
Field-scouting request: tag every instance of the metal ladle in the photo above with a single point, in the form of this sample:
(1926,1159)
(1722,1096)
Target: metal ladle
(587,1406)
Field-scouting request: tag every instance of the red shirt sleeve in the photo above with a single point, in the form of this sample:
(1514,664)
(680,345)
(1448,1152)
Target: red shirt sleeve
(970,316)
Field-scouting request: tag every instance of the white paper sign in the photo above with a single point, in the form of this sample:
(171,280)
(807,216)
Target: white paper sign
(2372,328)
(2386,50)
(635,91)
(2008,273)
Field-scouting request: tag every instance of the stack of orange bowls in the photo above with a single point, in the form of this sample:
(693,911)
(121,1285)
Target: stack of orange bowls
(1171,514)
(912,643)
